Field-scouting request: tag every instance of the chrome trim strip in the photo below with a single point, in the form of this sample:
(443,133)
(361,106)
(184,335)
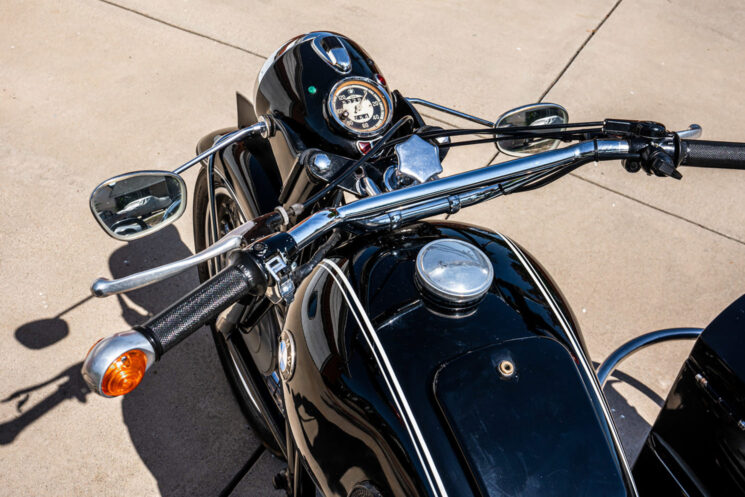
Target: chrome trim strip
(581,358)
(635,345)
(389,376)
(448,110)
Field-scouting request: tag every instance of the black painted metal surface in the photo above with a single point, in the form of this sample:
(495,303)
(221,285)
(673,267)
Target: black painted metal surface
(528,431)
(348,416)
(697,444)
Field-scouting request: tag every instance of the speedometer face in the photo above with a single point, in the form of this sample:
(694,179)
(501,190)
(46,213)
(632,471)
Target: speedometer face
(360,106)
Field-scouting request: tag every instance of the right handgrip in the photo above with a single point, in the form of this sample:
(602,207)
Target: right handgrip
(243,277)
(704,153)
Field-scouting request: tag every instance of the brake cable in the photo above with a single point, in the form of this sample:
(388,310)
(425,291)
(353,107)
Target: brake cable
(504,130)
(559,135)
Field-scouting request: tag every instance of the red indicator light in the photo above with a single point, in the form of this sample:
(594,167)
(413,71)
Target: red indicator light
(364,147)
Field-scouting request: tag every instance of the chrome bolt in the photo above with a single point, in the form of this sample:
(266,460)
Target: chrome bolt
(268,130)
(506,368)
(260,248)
(701,380)
(321,163)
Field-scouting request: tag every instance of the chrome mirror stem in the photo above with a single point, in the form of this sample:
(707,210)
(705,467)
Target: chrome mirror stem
(450,111)
(259,128)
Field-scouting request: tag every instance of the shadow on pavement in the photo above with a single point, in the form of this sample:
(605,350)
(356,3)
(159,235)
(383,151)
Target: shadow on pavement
(73,388)
(632,427)
(182,419)
(45,332)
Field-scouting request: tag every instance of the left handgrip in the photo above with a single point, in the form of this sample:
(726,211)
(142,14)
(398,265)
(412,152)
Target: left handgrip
(115,365)
(243,277)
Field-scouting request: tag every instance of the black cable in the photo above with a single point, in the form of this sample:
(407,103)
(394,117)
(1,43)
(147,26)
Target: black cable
(211,198)
(560,135)
(495,131)
(541,182)
(304,270)
(353,167)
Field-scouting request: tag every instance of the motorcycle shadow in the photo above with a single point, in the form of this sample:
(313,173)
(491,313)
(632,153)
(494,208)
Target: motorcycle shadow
(182,419)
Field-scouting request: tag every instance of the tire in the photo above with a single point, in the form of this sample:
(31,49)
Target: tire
(232,351)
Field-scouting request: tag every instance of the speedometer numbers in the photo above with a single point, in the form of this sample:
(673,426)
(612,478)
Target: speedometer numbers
(360,106)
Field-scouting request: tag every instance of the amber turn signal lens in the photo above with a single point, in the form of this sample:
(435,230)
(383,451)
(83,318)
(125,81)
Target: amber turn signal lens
(124,374)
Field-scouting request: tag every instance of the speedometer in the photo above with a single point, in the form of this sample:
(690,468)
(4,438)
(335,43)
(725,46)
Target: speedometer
(360,106)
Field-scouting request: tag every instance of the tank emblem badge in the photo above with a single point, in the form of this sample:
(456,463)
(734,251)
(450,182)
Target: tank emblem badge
(286,355)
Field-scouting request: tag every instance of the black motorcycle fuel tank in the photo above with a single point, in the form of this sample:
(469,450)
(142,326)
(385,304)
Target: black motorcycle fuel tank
(387,389)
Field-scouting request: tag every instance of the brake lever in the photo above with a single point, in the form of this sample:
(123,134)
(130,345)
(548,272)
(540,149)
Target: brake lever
(239,237)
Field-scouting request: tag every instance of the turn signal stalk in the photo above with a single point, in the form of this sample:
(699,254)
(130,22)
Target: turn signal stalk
(117,364)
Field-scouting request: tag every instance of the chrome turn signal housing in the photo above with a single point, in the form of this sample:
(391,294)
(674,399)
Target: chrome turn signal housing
(117,364)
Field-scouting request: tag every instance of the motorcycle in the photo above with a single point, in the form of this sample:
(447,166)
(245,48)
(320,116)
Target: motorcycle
(383,353)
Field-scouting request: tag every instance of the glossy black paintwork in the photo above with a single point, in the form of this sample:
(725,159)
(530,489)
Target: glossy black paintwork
(340,409)
(546,400)
(300,118)
(301,115)
(696,446)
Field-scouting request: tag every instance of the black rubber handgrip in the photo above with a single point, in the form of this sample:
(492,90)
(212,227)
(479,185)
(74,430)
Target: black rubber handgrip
(242,278)
(702,153)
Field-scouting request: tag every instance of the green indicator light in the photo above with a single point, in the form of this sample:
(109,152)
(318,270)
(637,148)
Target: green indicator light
(312,90)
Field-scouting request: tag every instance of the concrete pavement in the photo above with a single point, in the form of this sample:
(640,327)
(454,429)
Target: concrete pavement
(91,88)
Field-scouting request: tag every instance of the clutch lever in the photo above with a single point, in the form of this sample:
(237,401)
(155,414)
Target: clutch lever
(239,237)
(693,131)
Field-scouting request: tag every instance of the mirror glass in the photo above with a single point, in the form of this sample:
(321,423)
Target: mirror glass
(531,115)
(136,204)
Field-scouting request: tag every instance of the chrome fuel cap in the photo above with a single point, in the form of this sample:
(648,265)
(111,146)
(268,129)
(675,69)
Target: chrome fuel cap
(454,271)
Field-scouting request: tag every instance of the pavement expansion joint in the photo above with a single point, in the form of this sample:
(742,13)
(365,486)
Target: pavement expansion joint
(663,211)
(186,30)
(581,47)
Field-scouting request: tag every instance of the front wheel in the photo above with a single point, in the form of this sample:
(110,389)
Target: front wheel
(234,350)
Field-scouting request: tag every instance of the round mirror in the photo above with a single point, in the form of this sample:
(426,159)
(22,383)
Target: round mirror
(531,115)
(136,204)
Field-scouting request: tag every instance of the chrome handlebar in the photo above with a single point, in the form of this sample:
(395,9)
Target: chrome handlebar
(391,209)
(450,193)
(388,210)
